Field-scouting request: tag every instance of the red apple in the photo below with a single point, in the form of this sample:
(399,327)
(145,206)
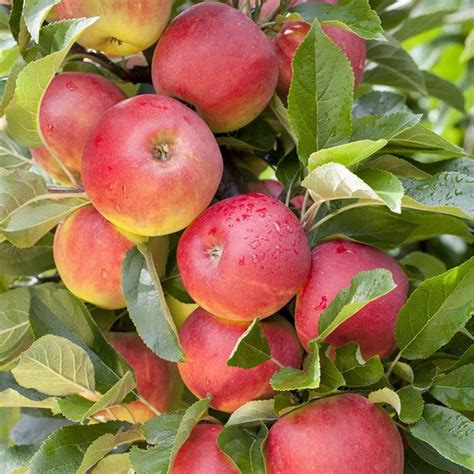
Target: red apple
(208,342)
(158,380)
(89,251)
(200,453)
(215,58)
(333,266)
(244,257)
(292,35)
(71,107)
(125,26)
(151,165)
(335,435)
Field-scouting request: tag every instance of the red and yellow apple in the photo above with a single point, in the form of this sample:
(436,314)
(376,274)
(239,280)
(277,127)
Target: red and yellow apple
(124,26)
(214,57)
(244,257)
(340,434)
(89,251)
(334,264)
(158,380)
(200,453)
(71,107)
(292,35)
(151,165)
(208,342)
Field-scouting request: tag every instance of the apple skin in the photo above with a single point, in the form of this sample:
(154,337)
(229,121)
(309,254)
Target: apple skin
(200,453)
(217,59)
(208,342)
(72,105)
(151,165)
(333,266)
(89,251)
(125,26)
(292,35)
(340,434)
(179,311)
(158,380)
(244,257)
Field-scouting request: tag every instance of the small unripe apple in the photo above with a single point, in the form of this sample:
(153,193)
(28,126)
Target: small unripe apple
(208,343)
(292,35)
(124,27)
(214,57)
(151,165)
(89,251)
(200,453)
(340,434)
(71,107)
(334,264)
(244,257)
(158,380)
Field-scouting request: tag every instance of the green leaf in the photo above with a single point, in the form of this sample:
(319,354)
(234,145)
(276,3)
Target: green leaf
(429,265)
(35,12)
(116,463)
(169,432)
(12,155)
(347,154)
(253,412)
(394,67)
(444,90)
(101,446)
(354,15)
(334,181)
(64,450)
(416,465)
(290,378)
(26,262)
(466,358)
(251,349)
(56,311)
(331,377)
(418,24)
(384,229)
(147,306)
(14,321)
(424,375)
(10,84)
(435,311)
(411,403)
(421,140)
(448,432)
(379,103)
(386,127)
(387,186)
(357,372)
(23,110)
(397,166)
(447,193)
(319,102)
(76,411)
(244,448)
(456,389)
(55,366)
(15,457)
(365,287)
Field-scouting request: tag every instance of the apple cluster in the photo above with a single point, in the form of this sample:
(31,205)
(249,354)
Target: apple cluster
(151,166)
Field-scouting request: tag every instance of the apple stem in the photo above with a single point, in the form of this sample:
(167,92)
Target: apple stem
(392,365)
(278,363)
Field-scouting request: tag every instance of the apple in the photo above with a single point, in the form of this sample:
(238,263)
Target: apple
(333,266)
(89,251)
(274,188)
(71,106)
(179,311)
(200,453)
(151,165)
(158,380)
(244,257)
(208,342)
(292,35)
(124,27)
(340,434)
(214,57)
